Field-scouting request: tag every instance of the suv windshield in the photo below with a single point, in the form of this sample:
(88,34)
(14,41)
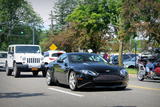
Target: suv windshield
(27,49)
(3,55)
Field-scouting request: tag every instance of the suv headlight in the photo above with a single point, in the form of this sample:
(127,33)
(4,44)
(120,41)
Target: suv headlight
(24,59)
(123,72)
(88,72)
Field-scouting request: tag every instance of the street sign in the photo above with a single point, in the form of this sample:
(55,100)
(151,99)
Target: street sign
(53,47)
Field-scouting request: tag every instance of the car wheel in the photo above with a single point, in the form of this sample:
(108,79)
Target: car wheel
(35,73)
(122,88)
(44,73)
(73,81)
(8,71)
(16,71)
(140,76)
(49,79)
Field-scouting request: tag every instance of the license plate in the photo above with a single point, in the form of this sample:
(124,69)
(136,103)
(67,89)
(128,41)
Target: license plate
(34,69)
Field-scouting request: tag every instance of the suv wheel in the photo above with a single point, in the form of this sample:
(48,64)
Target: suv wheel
(16,71)
(44,73)
(8,71)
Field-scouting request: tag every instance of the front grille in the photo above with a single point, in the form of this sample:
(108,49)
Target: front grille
(108,78)
(33,60)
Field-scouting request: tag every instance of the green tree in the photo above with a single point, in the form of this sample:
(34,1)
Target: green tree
(17,18)
(93,16)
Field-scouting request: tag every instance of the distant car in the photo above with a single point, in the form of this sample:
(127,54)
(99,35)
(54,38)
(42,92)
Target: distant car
(50,56)
(3,58)
(80,70)
(130,63)
(114,58)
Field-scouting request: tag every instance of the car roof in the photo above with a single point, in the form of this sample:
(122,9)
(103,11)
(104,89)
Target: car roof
(23,45)
(80,53)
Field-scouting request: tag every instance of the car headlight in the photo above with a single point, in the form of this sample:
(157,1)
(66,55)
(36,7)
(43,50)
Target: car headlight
(89,72)
(123,72)
(42,58)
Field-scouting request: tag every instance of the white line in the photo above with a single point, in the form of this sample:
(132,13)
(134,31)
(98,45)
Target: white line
(70,93)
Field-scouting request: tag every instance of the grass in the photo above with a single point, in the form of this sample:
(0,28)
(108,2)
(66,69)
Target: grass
(132,71)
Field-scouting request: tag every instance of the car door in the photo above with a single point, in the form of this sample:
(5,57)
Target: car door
(10,57)
(61,69)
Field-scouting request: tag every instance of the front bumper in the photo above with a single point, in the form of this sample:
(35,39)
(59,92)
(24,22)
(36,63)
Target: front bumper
(109,81)
(26,67)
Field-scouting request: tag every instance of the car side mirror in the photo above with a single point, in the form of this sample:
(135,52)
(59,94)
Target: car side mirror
(59,61)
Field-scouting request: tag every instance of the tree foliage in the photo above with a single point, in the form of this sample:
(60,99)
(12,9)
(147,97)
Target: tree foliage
(17,18)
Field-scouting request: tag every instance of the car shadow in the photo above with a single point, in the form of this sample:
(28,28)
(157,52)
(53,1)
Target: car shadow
(153,81)
(95,89)
(29,76)
(19,95)
(119,106)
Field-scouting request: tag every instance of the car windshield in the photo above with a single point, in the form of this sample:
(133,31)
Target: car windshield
(80,58)
(27,49)
(56,54)
(3,55)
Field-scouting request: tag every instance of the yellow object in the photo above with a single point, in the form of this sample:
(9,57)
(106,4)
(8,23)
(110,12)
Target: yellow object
(53,47)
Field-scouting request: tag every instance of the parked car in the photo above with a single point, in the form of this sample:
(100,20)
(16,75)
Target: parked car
(3,58)
(130,63)
(50,56)
(114,58)
(24,58)
(80,70)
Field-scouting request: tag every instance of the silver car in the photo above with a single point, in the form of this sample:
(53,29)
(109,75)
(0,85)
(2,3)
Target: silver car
(3,58)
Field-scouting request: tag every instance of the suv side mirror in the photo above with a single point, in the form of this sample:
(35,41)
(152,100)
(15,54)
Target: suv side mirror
(10,52)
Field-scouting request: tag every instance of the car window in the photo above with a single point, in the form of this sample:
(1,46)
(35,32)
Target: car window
(3,55)
(56,54)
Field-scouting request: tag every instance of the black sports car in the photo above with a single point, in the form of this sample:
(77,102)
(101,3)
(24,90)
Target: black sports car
(84,70)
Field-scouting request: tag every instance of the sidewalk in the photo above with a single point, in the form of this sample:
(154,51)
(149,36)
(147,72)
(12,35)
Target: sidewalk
(132,76)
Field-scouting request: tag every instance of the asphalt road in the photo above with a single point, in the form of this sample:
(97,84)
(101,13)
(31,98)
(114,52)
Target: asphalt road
(29,91)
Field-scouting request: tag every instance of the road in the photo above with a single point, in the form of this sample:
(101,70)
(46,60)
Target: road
(29,91)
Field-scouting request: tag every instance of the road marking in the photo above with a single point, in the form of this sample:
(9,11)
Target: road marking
(66,92)
(147,88)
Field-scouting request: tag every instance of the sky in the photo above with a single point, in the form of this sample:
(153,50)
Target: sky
(43,8)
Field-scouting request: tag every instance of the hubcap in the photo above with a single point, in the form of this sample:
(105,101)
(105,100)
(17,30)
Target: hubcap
(72,81)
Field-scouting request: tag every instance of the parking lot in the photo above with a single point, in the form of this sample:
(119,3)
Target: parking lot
(29,91)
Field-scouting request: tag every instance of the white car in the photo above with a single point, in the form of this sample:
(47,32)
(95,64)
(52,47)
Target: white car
(24,58)
(52,55)
(3,58)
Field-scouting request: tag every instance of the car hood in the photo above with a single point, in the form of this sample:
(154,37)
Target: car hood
(97,67)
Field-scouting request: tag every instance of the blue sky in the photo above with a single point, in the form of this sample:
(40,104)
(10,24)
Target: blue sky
(43,8)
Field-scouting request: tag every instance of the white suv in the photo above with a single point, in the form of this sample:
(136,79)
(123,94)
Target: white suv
(24,58)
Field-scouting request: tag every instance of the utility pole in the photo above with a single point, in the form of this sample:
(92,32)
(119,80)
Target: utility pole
(33,35)
(52,20)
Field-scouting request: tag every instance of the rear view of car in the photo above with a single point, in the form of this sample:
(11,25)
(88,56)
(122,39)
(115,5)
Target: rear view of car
(50,56)
(3,57)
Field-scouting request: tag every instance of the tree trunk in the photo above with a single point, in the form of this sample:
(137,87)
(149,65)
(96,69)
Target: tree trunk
(120,53)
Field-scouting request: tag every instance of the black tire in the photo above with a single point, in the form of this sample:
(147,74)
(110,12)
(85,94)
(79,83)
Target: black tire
(50,78)
(72,81)
(35,73)
(122,88)
(44,73)
(16,71)
(8,71)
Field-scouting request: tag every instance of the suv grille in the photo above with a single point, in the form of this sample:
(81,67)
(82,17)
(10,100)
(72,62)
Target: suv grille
(33,60)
